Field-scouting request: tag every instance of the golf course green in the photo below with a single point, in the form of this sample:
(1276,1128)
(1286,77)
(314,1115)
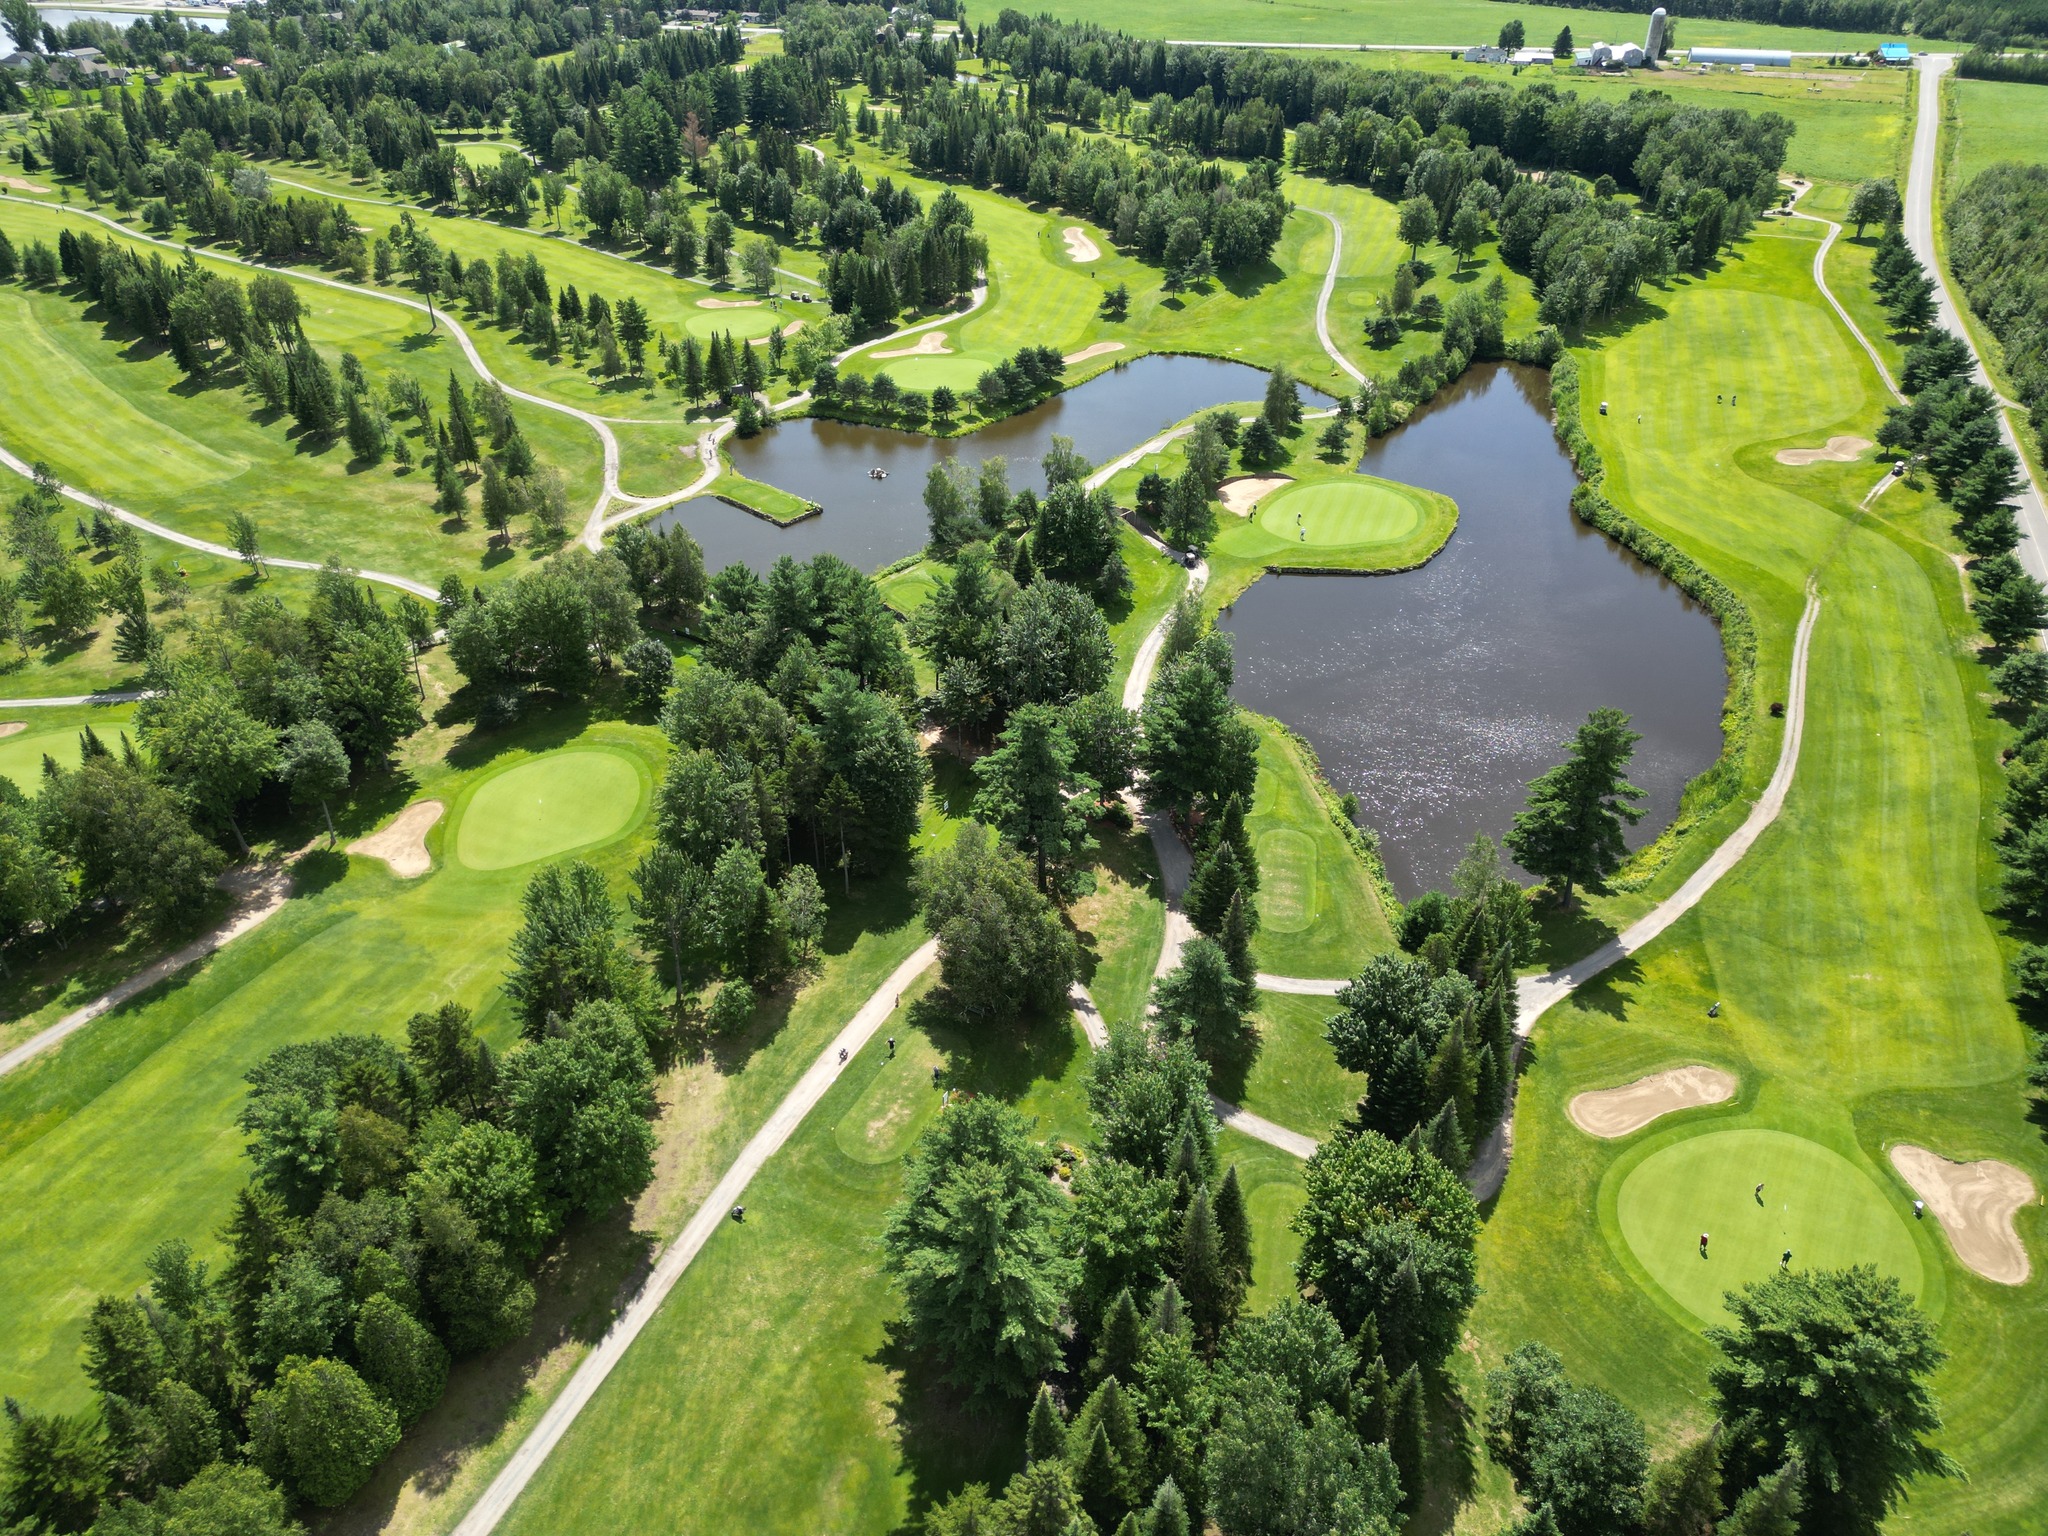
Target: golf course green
(1756,1194)
(1351,512)
(738,318)
(549,806)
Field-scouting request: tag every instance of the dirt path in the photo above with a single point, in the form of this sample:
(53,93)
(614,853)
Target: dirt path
(513,1477)
(261,890)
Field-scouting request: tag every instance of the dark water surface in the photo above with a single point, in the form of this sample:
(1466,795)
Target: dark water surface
(1436,695)
(873,522)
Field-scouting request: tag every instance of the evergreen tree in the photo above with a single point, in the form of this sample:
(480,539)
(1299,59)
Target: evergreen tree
(315,402)
(1233,1227)
(1408,1435)
(1205,1277)
(365,430)
(1045,1434)
(1570,833)
(1236,939)
(1218,880)
(1372,1398)
(1771,1508)
(462,444)
(1120,1340)
(1168,1515)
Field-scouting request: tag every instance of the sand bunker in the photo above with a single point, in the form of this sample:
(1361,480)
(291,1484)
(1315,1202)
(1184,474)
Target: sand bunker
(13,727)
(1100,349)
(930,344)
(1613,1112)
(728,303)
(1840,450)
(1242,493)
(1974,1202)
(1079,246)
(21,184)
(403,844)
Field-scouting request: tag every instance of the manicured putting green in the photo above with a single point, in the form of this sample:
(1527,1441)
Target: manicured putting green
(741,324)
(548,806)
(959,373)
(1817,1203)
(1287,880)
(21,752)
(894,1109)
(1341,512)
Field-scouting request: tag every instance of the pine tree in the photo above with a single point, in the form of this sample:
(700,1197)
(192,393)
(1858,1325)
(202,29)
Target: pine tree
(1169,1313)
(1045,1435)
(1211,1290)
(134,637)
(1371,1398)
(1217,879)
(315,402)
(1234,1228)
(1408,1435)
(461,424)
(693,369)
(497,499)
(1236,939)
(753,377)
(1444,1141)
(1168,1515)
(1109,1416)
(718,368)
(1771,1508)
(452,495)
(1096,1478)
(365,430)
(1120,1340)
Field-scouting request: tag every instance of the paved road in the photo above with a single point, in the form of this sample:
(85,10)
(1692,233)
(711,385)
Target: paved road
(512,1479)
(1922,183)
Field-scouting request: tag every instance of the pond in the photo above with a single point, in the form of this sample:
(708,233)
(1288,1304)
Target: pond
(1434,696)
(61,17)
(871,523)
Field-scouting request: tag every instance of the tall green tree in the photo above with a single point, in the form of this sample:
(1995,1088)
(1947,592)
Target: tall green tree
(207,744)
(977,1244)
(321,1430)
(1831,1367)
(1571,831)
(313,763)
(567,952)
(1031,792)
(1001,941)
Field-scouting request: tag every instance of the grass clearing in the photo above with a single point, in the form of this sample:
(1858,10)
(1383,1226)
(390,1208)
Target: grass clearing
(1994,120)
(1293,1079)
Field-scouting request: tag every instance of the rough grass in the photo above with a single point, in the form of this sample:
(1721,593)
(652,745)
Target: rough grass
(1994,120)
(1859,980)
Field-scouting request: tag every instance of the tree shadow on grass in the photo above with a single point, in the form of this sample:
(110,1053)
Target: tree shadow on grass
(1566,934)
(1612,993)
(996,1054)
(1452,1468)
(1230,1068)
(580,1288)
(947,1436)
(542,728)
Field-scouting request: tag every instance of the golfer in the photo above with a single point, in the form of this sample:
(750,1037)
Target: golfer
(1759,1191)
(1785,1259)
(1703,1245)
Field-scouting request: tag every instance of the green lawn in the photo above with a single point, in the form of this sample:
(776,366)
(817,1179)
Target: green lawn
(121,421)
(1859,981)
(1318,912)
(550,806)
(1994,120)
(770,501)
(1292,1078)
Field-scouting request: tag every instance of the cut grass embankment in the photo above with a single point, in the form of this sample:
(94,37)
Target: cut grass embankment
(118,418)
(1859,980)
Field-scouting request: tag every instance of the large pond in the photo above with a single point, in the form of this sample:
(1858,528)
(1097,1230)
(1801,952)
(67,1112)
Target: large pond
(1434,696)
(872,522)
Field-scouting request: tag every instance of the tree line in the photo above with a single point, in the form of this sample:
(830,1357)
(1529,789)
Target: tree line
(2004,273)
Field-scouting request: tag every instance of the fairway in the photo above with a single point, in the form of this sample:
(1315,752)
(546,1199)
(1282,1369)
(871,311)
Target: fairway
(22,753)
(542,808)
(1817,1203)
(1335,513)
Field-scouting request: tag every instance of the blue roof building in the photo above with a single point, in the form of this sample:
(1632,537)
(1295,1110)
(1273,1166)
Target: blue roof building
(1895,53)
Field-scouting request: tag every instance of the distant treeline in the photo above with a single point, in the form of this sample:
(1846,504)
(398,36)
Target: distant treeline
(1986,64)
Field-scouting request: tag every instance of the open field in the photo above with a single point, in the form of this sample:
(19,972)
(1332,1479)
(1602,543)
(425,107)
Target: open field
(1994,120)
(120,421)
(1443,22)
(1293,1078)
(1858,977)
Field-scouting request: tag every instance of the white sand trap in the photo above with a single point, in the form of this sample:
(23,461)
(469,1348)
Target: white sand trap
(1840,450)
(13,727)
(728,303)
(21,184)
(1100,349)
(403,844)
(930,344)
(1974,1202)
(1242,492)
(1079,246)
(1613,1112)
